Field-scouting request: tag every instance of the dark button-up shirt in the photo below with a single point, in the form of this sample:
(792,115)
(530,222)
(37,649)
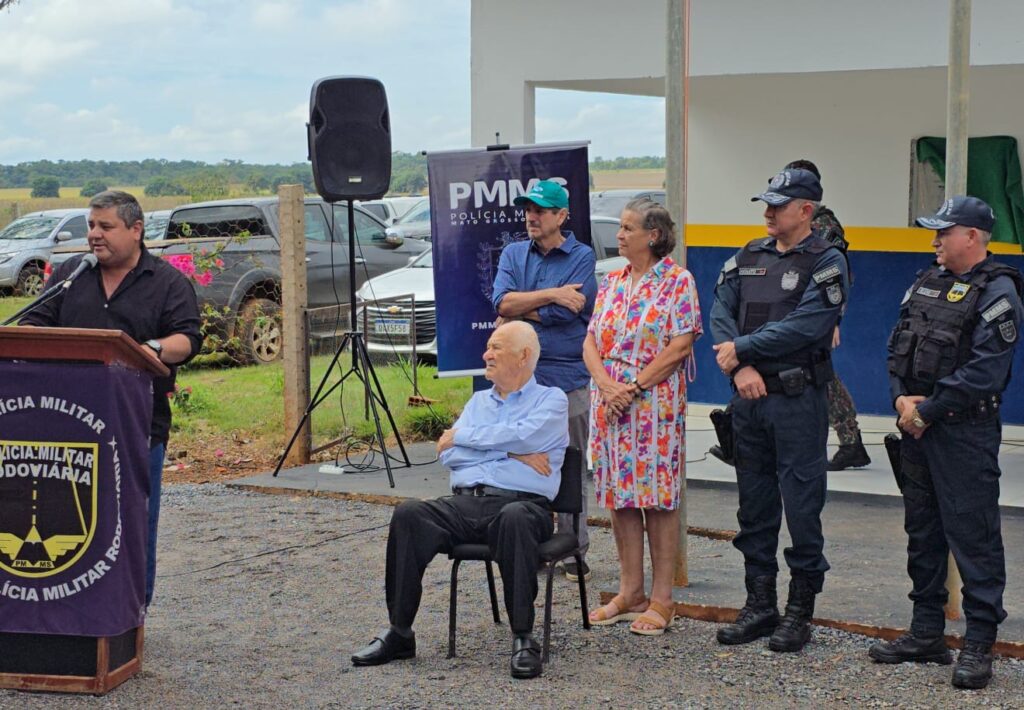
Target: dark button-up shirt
(561,332)
(153,301)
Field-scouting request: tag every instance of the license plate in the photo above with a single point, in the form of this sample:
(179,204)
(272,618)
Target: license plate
(391,326)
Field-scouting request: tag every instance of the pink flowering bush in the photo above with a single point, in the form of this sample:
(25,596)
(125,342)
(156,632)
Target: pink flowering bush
(186,264)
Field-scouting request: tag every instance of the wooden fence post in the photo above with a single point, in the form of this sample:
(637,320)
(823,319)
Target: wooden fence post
(295,345)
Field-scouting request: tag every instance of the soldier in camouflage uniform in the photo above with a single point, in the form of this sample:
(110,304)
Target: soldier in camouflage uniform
(842,415)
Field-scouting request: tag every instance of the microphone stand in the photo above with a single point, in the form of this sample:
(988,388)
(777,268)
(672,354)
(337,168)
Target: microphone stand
(47,295)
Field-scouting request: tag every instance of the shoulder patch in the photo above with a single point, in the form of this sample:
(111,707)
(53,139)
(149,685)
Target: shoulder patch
(1008,331)
(995,310)
(826,274)
(730,264)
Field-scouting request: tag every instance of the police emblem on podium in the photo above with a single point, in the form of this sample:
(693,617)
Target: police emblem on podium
(50,493)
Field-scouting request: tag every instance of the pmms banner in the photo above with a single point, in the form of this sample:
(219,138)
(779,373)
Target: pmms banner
(472,218)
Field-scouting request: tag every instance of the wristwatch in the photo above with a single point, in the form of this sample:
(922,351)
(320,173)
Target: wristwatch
(155,346)
(636,381)
(916,420)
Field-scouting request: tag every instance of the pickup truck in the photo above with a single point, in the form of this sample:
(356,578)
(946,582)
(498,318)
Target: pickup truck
(241,297)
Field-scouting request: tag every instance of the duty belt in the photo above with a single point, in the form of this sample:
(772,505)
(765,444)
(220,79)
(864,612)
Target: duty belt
(482,490)
(773,383)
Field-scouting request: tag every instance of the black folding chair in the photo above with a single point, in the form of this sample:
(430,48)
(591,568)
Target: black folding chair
(561,546)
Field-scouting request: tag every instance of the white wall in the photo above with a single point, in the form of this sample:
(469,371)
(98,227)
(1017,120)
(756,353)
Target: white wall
(589,44)
(856,126)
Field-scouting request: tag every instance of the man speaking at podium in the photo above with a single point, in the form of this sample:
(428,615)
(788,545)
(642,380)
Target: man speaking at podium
(145,297)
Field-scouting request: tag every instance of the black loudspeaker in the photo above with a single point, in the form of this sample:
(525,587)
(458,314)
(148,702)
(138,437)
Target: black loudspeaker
(349,138)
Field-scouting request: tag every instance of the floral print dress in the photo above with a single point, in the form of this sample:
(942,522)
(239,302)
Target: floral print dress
(638,457)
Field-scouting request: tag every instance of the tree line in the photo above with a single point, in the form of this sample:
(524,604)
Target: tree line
(187,177)
(201,180)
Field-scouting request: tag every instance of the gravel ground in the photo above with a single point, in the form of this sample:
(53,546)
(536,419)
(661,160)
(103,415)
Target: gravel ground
(261,599)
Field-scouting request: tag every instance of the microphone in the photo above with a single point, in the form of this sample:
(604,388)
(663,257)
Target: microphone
(88,261)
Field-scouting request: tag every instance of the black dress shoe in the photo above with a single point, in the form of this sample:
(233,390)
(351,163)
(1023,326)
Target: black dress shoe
(389,646)
(912,649)
(525,657)
(973,668)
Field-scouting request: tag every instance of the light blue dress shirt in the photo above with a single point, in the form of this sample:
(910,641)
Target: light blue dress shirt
(530,420)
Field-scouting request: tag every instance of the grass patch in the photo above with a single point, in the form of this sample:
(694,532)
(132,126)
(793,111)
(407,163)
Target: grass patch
(651,178)
(17,201)
(11,305)
(248,401)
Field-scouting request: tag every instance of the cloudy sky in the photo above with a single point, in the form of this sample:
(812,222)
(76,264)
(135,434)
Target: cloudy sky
(223,79)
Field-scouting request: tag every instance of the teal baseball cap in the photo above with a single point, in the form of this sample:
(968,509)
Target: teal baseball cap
(546,193)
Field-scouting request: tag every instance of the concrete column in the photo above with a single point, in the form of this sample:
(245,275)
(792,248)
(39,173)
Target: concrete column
(957,100)
(676,73)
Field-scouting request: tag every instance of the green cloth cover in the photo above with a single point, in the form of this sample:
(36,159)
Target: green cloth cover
(993,174)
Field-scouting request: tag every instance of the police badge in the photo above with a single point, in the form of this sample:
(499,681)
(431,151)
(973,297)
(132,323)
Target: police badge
(834,293)
(790,279)
(50,492)
(1008,331)
(957,291)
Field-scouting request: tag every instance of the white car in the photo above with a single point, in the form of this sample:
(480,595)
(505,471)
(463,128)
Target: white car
(390,323)
(414,224)
(390,209)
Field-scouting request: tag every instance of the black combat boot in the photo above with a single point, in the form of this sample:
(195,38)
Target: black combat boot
(973,667)
(758,617)
(850,456)
(795,627)
(912,649)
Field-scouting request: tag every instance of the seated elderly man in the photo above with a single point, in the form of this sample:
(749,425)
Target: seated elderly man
(505,454)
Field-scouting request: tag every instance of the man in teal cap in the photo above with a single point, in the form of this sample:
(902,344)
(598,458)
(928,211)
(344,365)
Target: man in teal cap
(548,281)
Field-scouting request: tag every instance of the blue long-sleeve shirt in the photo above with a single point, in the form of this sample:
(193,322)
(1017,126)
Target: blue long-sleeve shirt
(533,419)
(561,332)
(812,320)
(987,371)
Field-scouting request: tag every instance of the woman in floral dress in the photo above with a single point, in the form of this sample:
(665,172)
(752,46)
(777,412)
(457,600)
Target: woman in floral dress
(645,321)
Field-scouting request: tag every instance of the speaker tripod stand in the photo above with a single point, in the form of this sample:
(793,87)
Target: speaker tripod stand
(361,369)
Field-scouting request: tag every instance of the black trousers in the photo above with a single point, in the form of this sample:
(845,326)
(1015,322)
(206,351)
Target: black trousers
(512,528)
(951,503)
(781,467)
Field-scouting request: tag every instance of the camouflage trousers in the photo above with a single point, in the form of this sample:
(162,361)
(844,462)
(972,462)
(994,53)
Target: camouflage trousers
(842,415)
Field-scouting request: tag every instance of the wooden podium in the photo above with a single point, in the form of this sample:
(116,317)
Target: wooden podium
(52,661)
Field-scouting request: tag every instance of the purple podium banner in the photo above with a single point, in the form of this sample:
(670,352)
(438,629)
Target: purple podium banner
(472,218)
(74,484)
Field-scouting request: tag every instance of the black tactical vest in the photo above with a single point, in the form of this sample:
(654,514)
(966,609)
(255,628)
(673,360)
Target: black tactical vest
(933,338)
(771,286)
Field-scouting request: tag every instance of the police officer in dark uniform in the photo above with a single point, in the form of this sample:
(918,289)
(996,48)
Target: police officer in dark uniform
(776,304)
(949,362)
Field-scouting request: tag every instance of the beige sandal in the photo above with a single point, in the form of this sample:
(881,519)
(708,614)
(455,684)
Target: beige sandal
(657,616)
(599,617)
